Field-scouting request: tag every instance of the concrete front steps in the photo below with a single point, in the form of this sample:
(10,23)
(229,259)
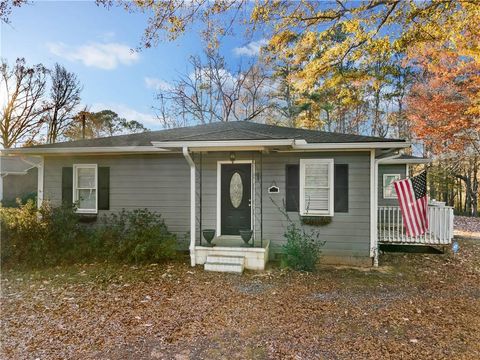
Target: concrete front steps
(225,263)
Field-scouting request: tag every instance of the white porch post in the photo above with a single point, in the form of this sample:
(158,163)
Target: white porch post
(40,172)
(189,159)
(374,204)
(373,208)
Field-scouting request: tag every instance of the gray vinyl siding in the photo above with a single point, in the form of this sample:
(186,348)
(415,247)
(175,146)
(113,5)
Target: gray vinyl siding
(162,183)
(389,169)
(347,235)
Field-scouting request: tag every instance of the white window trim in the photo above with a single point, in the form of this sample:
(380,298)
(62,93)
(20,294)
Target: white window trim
(384,187)
(75,178)
(303,210)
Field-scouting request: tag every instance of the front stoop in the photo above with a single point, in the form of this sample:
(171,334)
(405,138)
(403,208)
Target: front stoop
(225,263)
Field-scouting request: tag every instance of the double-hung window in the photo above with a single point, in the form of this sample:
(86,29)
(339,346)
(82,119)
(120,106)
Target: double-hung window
(316,187)
(388,187)
(85,188)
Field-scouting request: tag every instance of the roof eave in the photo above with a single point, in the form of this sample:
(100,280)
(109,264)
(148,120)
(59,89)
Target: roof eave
(91,150)
(354,145)
(172,146)
(407,161)
(221,145)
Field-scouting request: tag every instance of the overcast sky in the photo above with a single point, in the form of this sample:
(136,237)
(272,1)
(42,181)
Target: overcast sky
(96,44)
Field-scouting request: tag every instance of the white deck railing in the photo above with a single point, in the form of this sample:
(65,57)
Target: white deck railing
(391,229)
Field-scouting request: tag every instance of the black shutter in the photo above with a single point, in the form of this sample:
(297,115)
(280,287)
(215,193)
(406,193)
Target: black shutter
(103,188)
(341,188)
(67,186)
(292,187)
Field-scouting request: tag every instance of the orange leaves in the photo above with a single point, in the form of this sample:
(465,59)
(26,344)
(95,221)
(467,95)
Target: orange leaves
(443,105)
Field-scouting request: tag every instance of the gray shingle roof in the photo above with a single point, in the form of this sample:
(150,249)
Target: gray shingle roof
(411,157)
(13,164)
(238,130)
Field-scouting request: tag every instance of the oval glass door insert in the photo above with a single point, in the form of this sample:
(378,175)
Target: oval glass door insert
(236,190)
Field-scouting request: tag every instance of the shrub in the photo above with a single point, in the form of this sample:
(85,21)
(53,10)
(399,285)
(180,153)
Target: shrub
(39,237)
(302,250)
(21,231)
(136,236)
(52,236)
(20,200)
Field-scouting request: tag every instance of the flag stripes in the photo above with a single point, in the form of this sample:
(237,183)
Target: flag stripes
(413,201)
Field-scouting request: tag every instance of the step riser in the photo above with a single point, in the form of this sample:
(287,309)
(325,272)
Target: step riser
(231,268)
(225,259)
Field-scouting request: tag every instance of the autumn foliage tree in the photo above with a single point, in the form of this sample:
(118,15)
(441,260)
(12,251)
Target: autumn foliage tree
(443,107)
(444,104)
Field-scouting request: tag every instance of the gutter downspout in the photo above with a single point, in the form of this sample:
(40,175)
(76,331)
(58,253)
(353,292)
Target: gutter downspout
(373,209)
(189,159)
(375,203)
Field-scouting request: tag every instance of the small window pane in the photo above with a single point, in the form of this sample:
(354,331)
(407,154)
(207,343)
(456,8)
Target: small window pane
(236,190)
(388,187)
(86,177)
(316,175)
(316,199)
(87,199)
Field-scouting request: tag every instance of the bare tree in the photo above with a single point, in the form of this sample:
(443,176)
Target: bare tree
(6,7)
(23,88)
(254,95)
(64,99)
(210,92)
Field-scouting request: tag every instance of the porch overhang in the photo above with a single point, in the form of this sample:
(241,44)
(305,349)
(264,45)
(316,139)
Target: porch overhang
(406,161)
(229,145)
(280,145)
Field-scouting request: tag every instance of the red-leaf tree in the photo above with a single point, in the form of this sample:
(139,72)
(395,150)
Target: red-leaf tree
(444,104)
(444,110)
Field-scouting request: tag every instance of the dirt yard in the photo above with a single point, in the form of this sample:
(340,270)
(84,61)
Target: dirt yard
(414,306)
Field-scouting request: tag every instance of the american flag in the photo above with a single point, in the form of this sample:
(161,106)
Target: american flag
(413,200)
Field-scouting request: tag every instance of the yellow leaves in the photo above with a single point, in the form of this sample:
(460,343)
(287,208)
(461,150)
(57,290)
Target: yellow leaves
(351,27)
(281,40)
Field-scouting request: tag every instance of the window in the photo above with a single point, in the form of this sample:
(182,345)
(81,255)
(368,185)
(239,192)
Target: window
(85,188)
(292,190)
(388,188)
(316,187)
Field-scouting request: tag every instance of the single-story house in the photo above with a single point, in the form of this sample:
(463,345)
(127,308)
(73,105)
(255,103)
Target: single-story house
(18,177)
(234,176)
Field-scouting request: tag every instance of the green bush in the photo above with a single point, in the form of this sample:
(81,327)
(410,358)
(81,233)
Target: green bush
(21,231)
(136,236)
(302,250)
(52,236)
(20,200)
(38,237)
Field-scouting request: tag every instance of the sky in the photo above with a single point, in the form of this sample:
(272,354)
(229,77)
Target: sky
(96,44)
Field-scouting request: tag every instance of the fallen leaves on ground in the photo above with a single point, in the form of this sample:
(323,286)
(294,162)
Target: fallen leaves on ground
(416,307)
(468,227)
